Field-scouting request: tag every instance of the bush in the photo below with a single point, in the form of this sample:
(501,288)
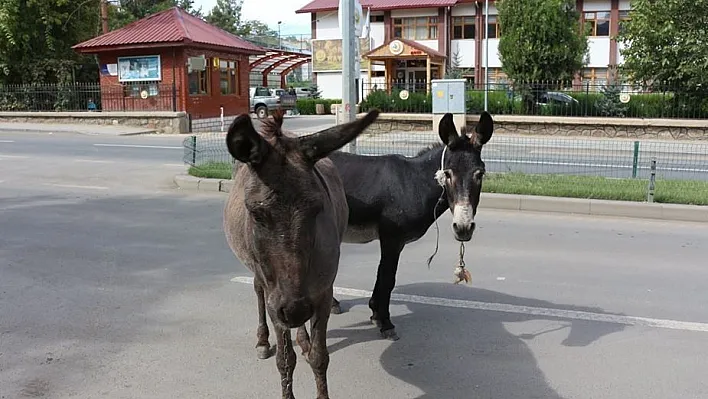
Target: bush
(503,102)
(308,106)
(415,103)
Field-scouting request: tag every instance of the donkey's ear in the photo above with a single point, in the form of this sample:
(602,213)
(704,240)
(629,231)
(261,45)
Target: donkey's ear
(483,131)
(244,143)
(318,145)
(447,129)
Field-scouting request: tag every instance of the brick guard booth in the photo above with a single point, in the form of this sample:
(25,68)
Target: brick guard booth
(173,61)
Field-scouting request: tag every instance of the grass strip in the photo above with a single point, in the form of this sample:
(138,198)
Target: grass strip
(591,187)
(566,186)
(212,170)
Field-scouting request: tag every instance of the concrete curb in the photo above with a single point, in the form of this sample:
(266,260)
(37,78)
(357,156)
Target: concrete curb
(8,127)
(188,182)
(529,203)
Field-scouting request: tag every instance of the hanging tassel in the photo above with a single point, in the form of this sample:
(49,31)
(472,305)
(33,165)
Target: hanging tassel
(461,273)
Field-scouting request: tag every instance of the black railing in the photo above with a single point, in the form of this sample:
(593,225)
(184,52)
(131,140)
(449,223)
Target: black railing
(143,96)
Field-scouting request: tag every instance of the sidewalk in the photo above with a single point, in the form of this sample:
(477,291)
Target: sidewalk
(118,130)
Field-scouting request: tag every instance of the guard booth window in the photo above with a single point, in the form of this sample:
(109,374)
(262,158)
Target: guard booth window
(229,77)
(198,82)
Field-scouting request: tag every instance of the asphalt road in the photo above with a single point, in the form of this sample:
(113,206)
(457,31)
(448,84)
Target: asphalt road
(115,284)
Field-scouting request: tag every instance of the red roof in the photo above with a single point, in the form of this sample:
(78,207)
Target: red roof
(375,5)
(173,26)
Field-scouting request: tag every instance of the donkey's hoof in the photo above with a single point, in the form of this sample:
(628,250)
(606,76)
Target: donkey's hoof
(376,322)
(390,334)
(336,309)
(264,352)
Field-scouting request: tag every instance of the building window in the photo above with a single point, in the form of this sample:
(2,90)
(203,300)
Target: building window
(198,82)
(623,18)
(599,23)
(377,18)
(463,27)
(228,79)
(493,27)
(419,28)
(595,78)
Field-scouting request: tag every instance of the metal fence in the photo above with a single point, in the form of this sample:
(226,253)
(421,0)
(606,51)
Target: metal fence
(139,96)
(550,99)
(612,158)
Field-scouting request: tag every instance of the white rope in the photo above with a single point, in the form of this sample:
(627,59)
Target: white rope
(440,177)
(440,173)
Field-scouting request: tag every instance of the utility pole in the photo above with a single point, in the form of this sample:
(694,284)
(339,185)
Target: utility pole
(486,55)
(349,72)
(104,16)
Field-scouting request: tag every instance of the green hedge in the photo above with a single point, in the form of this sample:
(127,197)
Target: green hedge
(415,103)
(307,106)
(653,105)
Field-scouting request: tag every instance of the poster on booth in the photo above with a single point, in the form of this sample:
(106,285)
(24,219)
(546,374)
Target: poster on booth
(139,68)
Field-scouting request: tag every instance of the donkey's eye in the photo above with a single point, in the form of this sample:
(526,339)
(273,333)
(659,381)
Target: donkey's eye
(448,175)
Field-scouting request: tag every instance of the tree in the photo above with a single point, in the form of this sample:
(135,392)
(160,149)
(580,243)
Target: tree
(133,10)
(454,70)
(667,44)
(541,43)
(227,16)
(609,104)
(38,49)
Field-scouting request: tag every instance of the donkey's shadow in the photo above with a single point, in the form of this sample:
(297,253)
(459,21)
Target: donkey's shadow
(464,353)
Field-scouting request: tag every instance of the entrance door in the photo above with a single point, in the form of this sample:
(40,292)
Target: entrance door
(416,80)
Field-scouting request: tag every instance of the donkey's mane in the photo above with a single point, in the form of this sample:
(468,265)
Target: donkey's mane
(462,140)
(428,149)
(273,128)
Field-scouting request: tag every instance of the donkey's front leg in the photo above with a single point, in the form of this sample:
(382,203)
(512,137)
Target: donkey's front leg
(263,346)
(385,282)
(318,355)
(286,360)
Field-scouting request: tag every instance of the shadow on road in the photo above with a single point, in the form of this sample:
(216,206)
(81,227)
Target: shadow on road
(463,353)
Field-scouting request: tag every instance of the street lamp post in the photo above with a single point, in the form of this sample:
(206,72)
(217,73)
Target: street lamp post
(280,41)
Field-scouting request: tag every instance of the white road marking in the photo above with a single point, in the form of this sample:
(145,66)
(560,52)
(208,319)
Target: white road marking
(524,310)
(165,147)
(7,141)
(93,161)
(76,186)
(175,165)
(13,156)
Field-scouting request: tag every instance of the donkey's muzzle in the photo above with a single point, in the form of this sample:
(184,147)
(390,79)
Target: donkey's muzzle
(294,313)
(463,231)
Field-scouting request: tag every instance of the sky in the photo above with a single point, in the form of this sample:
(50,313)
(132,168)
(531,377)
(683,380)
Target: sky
(276,10)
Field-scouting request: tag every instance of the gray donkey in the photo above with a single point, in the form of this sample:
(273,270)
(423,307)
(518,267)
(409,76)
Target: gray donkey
(285,219)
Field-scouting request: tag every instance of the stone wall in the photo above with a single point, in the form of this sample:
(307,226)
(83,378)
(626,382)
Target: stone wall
(160,122)
(676,129)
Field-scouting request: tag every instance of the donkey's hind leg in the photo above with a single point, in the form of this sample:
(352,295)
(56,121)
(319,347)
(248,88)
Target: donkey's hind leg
(336,307)
(303,340)
(263,348)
